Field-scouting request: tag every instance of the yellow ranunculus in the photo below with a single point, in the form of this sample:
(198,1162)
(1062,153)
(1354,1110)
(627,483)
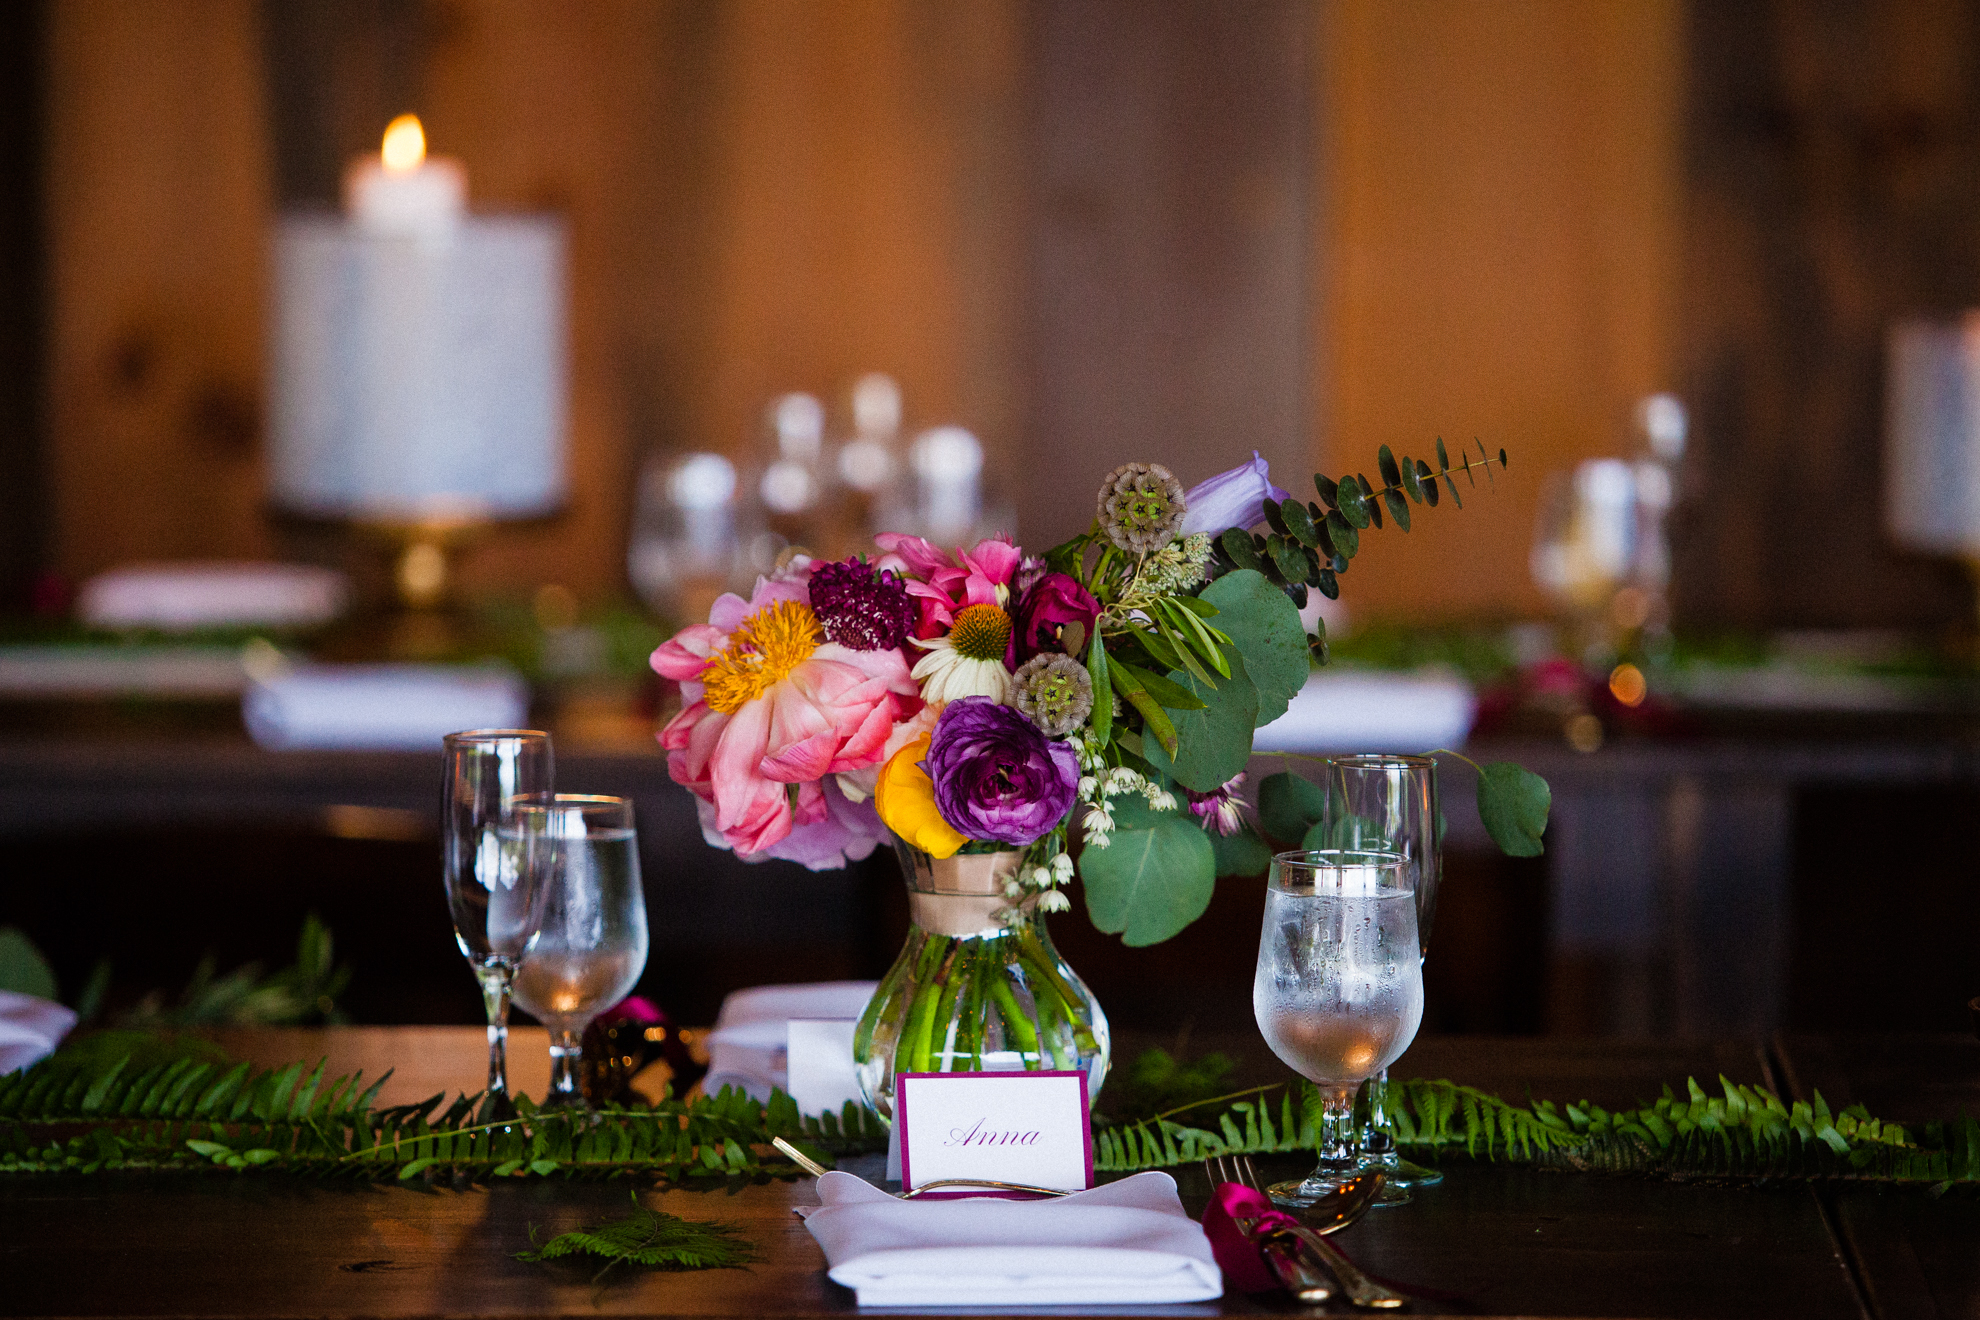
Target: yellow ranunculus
(904,796)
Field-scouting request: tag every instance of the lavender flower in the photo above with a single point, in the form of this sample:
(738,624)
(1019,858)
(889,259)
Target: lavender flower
(860,608)
(996,776)
(1221,810)
(1230,499)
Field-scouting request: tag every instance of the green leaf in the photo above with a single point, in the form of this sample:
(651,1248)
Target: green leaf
(1443,457)
(22,968)
(1353,509)
(1347,541)
(1513,803)
(1328,489)
(1299,522)
(1428,479)
(1265,629)
(1412,479)
(1214,743)
(1172,695)
(1238,547)
(1147,884)
(1290,558)
(1398,507)
(1103,689)
(1243,853)
(1385,463)
(1152,713)
(1288,805)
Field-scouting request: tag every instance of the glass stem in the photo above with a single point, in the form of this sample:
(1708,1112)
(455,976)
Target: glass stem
(1337,1129)
(566,1049)
(1375,1138)
(495,981)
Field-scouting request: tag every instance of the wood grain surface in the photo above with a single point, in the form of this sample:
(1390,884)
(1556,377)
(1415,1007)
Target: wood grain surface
(1490,1241)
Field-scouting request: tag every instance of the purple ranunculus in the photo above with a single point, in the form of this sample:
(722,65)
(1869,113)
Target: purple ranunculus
(1230,499)
(1052,602)
(996,776)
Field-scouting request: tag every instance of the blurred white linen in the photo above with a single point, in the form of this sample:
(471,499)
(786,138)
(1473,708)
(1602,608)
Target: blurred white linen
(1128,1242)
(381,707)
(747,1046)
(1350,710)
(177,597)
(30,1028)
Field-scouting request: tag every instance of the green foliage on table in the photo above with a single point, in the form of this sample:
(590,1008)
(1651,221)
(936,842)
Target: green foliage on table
(654,1239)
(189,1112)
(302,994)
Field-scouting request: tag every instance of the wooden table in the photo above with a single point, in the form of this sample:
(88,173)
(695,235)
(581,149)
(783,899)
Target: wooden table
(1507,1241)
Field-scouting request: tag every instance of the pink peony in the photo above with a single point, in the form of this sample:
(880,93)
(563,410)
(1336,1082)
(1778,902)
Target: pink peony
(769,704)
(942,585)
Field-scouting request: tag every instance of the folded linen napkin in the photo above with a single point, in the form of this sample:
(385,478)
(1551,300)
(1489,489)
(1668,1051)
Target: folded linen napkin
(30,1028)
(1125,1242)
(747,1047)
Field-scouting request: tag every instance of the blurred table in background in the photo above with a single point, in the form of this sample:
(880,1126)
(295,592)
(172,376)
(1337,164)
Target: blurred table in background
(1692,888)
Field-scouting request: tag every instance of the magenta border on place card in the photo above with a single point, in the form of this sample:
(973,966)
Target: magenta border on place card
(901,1120)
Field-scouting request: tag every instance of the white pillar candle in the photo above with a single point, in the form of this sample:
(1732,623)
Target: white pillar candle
(402,190)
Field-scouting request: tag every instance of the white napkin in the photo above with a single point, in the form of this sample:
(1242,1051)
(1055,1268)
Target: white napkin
(747,1047)
(389,707)
(1126,1242)
(30,1028)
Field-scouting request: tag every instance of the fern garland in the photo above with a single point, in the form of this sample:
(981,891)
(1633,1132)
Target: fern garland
(192,1112)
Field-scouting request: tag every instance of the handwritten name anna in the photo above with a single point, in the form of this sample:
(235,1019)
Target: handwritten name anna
(981,1135)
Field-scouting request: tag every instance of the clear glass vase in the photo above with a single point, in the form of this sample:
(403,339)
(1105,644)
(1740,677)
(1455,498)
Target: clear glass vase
(977,988)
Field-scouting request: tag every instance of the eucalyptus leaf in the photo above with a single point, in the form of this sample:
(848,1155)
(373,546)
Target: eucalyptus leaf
(1214,743)
(22,968)
(1398,507)
(1147,884)
(1513,802)
(1352,507)
(1264,627)
(1289,804)
(1385,463)
(1243,853)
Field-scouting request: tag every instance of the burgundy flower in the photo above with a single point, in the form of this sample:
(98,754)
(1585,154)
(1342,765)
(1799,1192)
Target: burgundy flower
(859,608)
(1054,601)
(996,776)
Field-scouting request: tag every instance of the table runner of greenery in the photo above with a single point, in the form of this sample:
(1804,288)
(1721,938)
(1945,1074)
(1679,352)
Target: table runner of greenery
(163,1104)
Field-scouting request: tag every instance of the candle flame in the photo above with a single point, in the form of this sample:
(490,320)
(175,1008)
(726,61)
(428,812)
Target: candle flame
(405,144)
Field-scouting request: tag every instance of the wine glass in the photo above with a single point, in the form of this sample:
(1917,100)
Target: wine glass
(1339,989)
(1389,802)
(496,905)
(583,851)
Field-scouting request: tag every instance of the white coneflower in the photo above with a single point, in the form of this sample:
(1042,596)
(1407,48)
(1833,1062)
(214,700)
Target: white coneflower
(969,662)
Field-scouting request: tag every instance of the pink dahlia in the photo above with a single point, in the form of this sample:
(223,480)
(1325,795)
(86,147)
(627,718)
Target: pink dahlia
(771,709)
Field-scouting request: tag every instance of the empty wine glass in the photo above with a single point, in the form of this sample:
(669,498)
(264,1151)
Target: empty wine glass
(1389,803)
(584,853)
(496,904)
(1339,989)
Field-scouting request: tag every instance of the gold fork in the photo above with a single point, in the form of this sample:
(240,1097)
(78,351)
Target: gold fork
(1361,1290)
(1298,1269)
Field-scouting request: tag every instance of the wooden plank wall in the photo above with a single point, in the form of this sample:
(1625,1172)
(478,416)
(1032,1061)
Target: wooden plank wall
(1500,241)
(1090,231)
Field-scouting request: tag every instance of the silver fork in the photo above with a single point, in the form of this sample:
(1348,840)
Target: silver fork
(1361,1290)
(1298,1269)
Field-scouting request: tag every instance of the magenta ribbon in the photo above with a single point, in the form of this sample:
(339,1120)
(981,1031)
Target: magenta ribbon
(1238,1256)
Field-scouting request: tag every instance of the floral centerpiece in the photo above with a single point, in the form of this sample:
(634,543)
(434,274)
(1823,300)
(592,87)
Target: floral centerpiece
(1009,719)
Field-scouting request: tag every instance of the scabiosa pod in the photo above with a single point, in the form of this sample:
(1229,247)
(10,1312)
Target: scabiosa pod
(1141,507)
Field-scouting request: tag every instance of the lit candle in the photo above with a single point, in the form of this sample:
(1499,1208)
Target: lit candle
(402,190)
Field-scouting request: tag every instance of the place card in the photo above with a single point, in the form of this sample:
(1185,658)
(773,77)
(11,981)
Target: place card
(819,1064)
(1018,1127)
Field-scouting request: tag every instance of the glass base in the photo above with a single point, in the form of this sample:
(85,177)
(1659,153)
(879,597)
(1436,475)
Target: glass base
(1407,1173)
(1321,1185)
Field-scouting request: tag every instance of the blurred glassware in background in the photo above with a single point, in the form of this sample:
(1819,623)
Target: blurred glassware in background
(793,483)
(1932,437)
(689,535)
(1600,546)
(869,466)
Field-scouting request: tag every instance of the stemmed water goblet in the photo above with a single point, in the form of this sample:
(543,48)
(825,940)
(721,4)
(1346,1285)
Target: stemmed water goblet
(583,852)
(1389,802)
(496,904)
(1338,993)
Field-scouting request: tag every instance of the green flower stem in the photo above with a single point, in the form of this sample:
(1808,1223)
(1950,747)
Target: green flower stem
(1017,1028)
(975,970)
(944,1022)
(914,1039)
(1050,1012)
(1043,967)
